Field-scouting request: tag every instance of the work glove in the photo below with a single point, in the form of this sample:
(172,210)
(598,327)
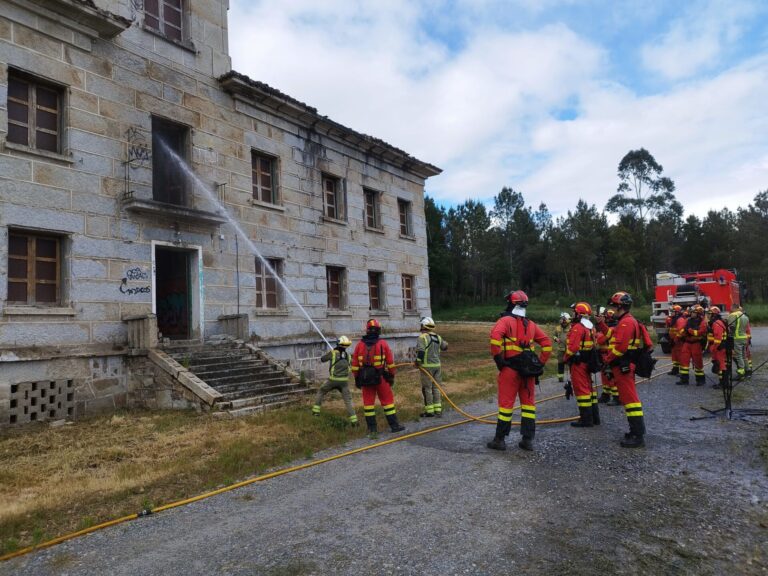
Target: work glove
(715,367)
(568,390)
(499,359)
(721,346)
(389,377)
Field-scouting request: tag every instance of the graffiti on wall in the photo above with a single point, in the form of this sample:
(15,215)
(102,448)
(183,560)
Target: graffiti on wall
(136,274)
(124,289)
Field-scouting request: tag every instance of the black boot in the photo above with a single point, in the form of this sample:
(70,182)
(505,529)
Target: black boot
(373,431)
(683,380)
(585,418)
(394,425)
(595,414)
(614,401)
(700,380)
(527,431)
(502,430)
(604,397)
(635,438)
(675,371)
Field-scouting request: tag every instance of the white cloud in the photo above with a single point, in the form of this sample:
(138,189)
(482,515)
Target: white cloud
(484,112)
(696,41)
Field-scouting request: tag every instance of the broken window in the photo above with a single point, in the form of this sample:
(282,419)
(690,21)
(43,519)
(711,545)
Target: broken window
(263,178)
(335,286)
(404,208)
(34,112)
(372,215)
(169,162)
(267,287)
(333,197)
(375,291)
(165,17)
(34,268)
(408,296)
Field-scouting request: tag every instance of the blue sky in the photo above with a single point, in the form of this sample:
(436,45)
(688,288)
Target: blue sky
(545,96)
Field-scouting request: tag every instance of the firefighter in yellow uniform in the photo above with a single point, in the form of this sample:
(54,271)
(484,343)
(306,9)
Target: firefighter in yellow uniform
(338,377)
(560,338)
(428,348)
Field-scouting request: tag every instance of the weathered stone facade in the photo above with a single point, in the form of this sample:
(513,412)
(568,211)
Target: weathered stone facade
(125,249)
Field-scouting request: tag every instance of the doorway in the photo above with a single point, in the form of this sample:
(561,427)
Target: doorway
(173,294)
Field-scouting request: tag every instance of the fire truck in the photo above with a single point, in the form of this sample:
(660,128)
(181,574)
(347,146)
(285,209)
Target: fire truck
(714,288)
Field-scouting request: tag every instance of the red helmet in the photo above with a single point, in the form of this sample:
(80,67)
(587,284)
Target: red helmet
(714,310)
(620,300)
(677,308)
(582,309)
(518,298)
(698,309)
(373,325)
(610,312)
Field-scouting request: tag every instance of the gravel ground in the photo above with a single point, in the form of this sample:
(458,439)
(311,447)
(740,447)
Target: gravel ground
(695,501)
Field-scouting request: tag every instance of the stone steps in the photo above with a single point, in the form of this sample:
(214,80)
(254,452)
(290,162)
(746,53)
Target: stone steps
(248,383)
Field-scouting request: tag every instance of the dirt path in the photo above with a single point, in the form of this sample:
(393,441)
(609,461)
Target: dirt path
(695,501)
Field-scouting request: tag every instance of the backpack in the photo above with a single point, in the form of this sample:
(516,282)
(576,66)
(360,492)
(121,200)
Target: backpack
(369,374)
(527,363)
(644,361)
(592,357)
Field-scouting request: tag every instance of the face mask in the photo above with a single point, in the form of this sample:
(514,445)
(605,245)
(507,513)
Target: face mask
(518,311)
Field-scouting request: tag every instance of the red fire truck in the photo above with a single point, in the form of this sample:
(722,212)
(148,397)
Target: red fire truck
(713,288)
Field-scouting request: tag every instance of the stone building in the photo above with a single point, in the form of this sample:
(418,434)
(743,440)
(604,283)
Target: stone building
(126,143)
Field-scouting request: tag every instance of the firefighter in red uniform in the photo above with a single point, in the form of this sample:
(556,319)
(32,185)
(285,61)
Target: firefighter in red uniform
(373,367)
(512,340)
(607,319)
(716,336)
(679,342)
(581,341)
(695,331)
(624,342)
(674,337)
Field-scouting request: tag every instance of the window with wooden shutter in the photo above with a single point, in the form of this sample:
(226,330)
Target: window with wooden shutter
(263,178)
(34,113)
(165,17)
(408,299)
(268,293)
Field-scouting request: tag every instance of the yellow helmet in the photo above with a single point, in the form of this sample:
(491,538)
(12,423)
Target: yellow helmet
(428,323)
(344,341)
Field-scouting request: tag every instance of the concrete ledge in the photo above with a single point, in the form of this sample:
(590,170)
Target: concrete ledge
(184,377)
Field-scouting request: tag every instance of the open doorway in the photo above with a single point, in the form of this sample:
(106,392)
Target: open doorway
(173,294)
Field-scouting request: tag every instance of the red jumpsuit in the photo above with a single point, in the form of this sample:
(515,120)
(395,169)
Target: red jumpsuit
(676,324)
(380,355)
(695,331)
(716,337)
(509,337)
(626,338)
(604,332)
(581,339)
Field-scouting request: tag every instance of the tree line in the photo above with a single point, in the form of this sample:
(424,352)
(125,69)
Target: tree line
(476,254)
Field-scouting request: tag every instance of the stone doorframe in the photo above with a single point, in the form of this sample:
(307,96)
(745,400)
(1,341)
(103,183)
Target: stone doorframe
(196,285)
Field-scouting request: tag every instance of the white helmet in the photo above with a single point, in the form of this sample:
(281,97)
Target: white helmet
(565,316)
(344,341)
(428,323)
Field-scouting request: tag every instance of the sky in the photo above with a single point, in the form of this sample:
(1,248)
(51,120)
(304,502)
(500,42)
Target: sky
(544,96)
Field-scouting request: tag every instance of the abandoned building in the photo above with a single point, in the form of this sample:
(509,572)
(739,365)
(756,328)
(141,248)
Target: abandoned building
(127,143)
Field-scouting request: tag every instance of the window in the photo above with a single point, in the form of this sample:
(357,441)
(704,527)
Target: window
(372,216)
(375,291)
(169,157)
(334,199)
(165,16)
(408,297)
(335,283)
(263,180)
(34,113)
(34,268)
(404,208)
(268,293)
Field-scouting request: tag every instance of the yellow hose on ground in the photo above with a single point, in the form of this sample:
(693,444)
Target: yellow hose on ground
(276,473)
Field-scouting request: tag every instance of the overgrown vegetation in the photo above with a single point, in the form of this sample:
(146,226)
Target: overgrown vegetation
(57,480)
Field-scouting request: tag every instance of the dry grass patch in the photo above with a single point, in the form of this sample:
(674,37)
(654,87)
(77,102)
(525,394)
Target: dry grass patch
(56,480)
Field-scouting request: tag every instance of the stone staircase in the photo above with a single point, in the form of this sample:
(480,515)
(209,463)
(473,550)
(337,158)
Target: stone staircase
(248,380)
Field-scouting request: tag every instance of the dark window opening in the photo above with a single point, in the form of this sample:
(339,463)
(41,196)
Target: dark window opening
(408,300)
(34,269)
(34,113)
(404,207)
(169,157)
(372,217)
(375,291)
